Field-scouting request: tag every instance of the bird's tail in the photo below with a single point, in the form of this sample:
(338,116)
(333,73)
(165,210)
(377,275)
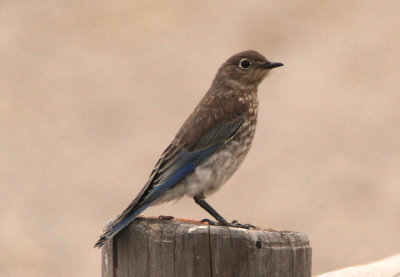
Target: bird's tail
(146,197)
(115,226)
(137,206)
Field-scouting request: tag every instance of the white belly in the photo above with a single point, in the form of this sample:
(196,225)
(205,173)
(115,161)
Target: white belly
(212,173)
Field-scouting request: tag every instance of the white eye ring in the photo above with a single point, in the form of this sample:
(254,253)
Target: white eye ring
(245,63)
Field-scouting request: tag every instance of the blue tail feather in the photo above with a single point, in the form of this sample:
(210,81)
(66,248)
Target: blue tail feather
(151,197)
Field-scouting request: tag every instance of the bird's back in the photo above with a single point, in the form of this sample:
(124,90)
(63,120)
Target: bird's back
(214,171)
(211,144)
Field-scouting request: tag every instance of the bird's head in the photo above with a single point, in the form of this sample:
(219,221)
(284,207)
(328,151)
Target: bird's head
(247,68)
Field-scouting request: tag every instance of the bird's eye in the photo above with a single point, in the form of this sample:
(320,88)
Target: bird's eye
(244,63)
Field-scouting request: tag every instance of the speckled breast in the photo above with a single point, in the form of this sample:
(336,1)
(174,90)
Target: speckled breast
(212,173)
(218,168)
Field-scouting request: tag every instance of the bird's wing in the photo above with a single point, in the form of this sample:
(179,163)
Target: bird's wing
(193,144)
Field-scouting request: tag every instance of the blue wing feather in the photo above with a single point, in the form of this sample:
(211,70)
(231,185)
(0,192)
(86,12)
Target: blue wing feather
(152,196)
(189,161)
(174,165)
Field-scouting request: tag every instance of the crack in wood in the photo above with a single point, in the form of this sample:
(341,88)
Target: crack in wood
(154,247)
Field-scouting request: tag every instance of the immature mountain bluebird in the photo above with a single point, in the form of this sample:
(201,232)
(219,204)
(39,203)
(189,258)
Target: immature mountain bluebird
(210,145)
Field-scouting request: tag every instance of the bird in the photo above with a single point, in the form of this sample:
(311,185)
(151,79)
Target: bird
(209,147)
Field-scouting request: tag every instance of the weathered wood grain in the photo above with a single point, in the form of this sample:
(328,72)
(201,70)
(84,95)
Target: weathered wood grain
(154,247)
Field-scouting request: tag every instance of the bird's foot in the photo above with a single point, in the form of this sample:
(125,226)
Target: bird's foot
(209,222)
(236,224)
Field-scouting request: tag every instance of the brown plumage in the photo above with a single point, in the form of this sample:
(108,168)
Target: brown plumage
(211,143)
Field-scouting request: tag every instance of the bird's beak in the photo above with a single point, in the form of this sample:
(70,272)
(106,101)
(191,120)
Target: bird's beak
(269,65)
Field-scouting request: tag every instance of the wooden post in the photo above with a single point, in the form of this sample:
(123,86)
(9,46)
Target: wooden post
(154,247)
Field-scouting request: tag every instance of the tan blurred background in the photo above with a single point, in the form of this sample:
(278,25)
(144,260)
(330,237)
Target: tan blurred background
(92,92)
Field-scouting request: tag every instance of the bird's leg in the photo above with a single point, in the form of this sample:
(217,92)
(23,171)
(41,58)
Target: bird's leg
(200,200)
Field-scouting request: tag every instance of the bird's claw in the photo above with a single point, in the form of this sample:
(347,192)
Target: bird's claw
(236,224)
(209,222)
